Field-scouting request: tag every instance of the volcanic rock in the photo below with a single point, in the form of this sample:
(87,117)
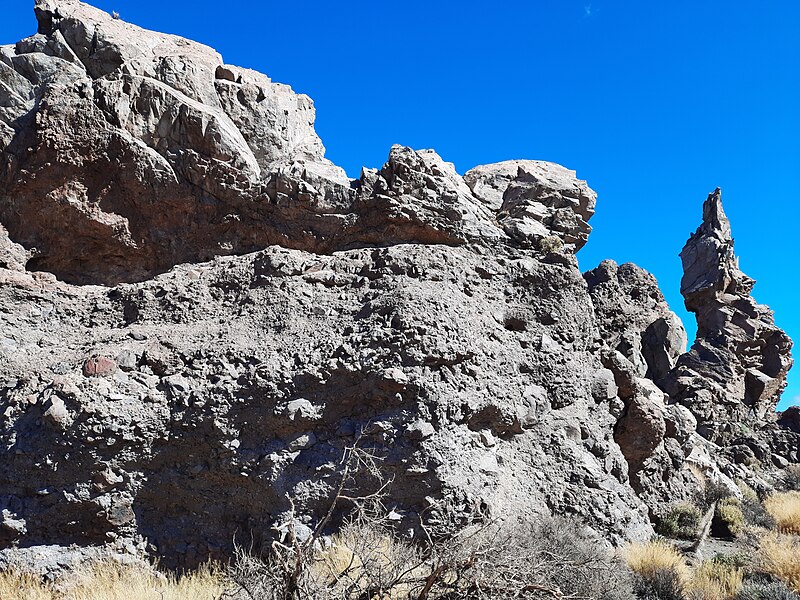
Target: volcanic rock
(267,314)
(733,376)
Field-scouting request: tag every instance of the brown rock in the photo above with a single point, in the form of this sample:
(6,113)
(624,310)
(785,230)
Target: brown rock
(99,366)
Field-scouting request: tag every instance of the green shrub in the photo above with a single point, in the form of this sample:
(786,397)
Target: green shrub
(681,521)
(714,492)
(729,515)
(791,478)
(753,510)
(551,243)
(765,589)
(664,584)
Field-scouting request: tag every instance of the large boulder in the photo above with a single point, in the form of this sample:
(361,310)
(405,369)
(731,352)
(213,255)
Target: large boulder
(539,204)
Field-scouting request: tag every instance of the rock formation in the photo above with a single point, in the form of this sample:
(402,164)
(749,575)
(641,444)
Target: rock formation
(733,376)
(221,313)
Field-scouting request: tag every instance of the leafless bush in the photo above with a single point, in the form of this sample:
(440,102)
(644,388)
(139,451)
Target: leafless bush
(367,560)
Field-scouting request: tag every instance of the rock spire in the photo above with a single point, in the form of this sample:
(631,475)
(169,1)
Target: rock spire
(733,376)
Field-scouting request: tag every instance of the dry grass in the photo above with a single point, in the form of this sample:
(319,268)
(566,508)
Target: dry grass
(651,558)
(785,509)
(112,581)
(715,581)
(14,586)
(780,556)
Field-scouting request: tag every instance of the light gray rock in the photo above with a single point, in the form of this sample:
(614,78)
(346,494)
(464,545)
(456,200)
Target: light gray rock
(268,313)
(539,204)
(634,318)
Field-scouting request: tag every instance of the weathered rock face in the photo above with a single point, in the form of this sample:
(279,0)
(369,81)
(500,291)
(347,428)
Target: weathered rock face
(641,341)
(634,318)
(441,321)
(538,204)
(228,385)
(733,376)
(153,152)
(265,313)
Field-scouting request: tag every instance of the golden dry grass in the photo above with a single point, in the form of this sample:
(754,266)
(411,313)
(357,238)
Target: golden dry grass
(112,581)
(715,581)
(780,555)
(14,586)
(785,509)
(650,558)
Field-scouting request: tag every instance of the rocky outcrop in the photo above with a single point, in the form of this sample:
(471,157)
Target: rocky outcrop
(221,315)
(538,204)
(641,341)
(634,318)
(440,322)
(733,376)
(227,386)
(153,152)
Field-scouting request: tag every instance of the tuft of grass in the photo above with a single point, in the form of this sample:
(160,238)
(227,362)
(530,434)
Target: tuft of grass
(681,521)
(714,580)
(785,509)
(729,512)
(651,558)
(109,580)
(779,555)
(22,586)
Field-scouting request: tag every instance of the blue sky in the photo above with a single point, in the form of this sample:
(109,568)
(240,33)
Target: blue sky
(653,103)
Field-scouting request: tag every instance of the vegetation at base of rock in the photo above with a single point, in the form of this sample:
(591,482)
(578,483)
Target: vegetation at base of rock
(779,555)
(753,510)
(681,521)
(549,558)
(785,509)
(648,559)
(728,513)
(760,589)
(791,478)
(715,580)
(114,581)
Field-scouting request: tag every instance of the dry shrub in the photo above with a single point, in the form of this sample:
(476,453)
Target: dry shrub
(714,580)
(785,509)
(110,580)
(651,558)
(17,586)
(780,556)
(546,559)
(113,581)
(660,569)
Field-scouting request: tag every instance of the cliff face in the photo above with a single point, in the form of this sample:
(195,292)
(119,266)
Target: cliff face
(220,314)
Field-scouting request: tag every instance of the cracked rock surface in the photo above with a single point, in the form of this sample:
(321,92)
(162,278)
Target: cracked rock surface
(199,314)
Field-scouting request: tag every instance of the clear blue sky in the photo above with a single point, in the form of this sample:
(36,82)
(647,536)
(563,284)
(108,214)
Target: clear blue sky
(654,103)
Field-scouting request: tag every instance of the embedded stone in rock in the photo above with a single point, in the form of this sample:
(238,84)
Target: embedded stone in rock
(98,366)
